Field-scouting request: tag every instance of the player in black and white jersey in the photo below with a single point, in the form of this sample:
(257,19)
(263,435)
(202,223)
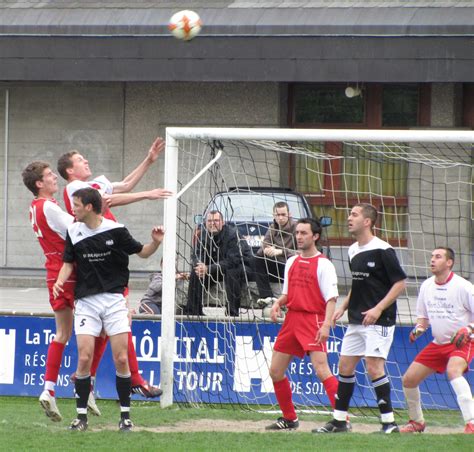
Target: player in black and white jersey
(100,248)
(377,281)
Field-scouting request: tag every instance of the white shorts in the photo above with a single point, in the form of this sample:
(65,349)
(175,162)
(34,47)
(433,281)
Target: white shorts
(372,340)
(103,310)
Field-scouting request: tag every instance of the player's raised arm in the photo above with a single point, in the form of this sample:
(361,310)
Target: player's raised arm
(130,181)
(157,234)
(122,199)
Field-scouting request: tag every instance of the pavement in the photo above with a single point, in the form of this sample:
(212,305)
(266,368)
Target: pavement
(35,301)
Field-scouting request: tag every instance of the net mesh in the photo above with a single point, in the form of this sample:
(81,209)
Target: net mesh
(424,195)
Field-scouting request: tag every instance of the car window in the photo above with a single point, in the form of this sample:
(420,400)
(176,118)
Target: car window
(255,206)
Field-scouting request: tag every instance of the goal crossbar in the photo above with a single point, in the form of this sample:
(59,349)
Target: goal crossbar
(223,133)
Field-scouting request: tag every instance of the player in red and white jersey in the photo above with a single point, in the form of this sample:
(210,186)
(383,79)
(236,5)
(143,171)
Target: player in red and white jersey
(101,183)
(74,168)
(310,293)
(446,303)
(50,225)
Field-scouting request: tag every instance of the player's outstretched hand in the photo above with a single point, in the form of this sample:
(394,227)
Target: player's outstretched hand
(462,336)
(58,288)
(159,193)
(157,234)
(156,149)
(416,332)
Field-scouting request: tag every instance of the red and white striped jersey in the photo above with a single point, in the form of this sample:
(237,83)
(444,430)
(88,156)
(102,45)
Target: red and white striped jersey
(50,225)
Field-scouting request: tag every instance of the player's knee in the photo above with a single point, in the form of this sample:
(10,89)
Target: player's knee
(276,374)
(121,360)
(84,362)
(322,370)
(62,336)
(453,372)
(375,370)
(408,381)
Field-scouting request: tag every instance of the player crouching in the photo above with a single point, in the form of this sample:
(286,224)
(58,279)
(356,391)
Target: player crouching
(446,303)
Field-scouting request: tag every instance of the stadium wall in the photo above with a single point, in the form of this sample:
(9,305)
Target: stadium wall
(113,124)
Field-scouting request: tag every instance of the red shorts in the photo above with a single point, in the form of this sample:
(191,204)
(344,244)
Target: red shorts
(65,299)
(436,356)
(298,334)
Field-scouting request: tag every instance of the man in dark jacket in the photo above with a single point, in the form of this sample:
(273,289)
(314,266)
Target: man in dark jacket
(218,256)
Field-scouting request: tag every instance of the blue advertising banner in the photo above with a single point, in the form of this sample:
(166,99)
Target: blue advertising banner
(215,362)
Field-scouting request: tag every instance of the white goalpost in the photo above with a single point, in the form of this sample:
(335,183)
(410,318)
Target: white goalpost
(422,183)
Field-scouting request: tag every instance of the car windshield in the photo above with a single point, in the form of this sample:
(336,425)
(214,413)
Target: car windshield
(243,206)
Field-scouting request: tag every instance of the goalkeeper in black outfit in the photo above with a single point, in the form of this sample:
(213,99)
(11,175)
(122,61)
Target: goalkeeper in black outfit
(377,281)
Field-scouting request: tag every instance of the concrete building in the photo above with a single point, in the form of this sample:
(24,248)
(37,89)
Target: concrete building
(105,77)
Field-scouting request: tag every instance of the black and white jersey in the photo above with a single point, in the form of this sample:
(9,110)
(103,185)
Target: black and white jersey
(101,257)
(375,269)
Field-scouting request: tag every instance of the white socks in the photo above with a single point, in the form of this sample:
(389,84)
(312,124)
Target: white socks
(464,396)
(412,396)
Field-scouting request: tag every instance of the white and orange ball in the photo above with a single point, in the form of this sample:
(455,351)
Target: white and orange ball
(185,25)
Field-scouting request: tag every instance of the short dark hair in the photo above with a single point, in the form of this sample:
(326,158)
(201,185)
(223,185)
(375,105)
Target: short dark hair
(368,211)
(449,252)
(313,222)
(214,212)
(65,162)
(89,196)
(34,173)
(281,204)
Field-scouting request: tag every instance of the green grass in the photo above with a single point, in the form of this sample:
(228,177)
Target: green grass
(23,426)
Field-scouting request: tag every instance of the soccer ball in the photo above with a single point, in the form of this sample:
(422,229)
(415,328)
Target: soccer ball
(185,25)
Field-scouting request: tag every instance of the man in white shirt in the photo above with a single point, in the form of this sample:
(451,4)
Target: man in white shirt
(446,302)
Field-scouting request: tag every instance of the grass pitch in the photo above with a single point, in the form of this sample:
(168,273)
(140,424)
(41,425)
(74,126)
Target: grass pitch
(23,426)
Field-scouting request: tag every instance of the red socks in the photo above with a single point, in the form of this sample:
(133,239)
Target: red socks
(284,397)
(53,361)
(330,385)
(137,379)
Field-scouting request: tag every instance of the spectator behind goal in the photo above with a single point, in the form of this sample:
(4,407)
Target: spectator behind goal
(152,299)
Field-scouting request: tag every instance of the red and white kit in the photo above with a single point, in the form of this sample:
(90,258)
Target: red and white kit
(307,297)
(50,225)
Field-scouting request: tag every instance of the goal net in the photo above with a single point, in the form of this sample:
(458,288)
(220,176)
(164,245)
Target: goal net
(421,183)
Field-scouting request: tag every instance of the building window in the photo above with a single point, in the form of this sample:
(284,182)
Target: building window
(400,106)
(326,105)
(364,175)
